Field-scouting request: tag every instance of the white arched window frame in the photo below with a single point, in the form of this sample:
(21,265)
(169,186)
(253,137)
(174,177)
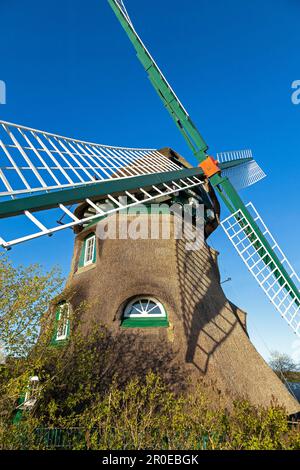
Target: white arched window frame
(144,307)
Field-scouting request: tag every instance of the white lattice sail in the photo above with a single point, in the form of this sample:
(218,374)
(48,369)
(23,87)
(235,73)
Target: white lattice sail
(234,155)
(33,161)
(241,168)
(41,171)
(260,263)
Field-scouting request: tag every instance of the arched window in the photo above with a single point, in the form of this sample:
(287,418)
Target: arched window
(144,311)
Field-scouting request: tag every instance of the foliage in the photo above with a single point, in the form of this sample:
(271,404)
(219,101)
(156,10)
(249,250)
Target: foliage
(285,367)
(145,415)
(25,295)
(88,398)
(87,405)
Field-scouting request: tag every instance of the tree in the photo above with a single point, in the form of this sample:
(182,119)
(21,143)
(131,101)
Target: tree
(25,295)
(282,364)
(2,355)
(87,399)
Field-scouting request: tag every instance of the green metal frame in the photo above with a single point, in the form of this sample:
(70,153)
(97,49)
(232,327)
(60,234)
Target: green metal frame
(18,412)
(195,141)
(234,163)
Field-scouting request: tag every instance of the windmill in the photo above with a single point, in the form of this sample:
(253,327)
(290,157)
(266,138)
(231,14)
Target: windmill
(244,227)
(41,171)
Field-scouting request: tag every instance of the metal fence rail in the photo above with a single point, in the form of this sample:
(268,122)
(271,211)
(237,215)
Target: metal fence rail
(59,438)
(78,438)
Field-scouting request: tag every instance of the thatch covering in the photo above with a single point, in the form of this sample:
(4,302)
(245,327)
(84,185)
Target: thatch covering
(207,338)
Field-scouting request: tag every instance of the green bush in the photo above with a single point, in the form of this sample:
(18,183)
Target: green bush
(85,401)
(146,415)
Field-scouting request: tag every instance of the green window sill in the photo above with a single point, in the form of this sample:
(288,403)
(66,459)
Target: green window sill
(59,343)
(145,323)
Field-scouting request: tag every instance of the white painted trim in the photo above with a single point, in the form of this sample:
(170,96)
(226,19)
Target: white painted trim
(31,393)
(60,162)
(87,262)
(65,322)
(144,313)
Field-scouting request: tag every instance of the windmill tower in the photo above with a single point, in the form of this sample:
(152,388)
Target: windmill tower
(164,299)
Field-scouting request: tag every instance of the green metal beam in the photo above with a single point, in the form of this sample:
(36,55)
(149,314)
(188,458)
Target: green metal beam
(234,163)
(75,195)
(193,137)
(234,203)
(182,120)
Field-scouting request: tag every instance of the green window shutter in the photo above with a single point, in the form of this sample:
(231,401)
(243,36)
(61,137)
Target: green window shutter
(68,328)
(18,413)
(81,259)
(95,251)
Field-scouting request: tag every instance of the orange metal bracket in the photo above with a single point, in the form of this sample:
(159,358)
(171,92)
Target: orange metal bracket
(210,167)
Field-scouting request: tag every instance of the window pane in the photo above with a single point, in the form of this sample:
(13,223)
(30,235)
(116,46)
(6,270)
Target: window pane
(136,308)
(151,306)
(145,308)
(63,321)
(155,311)
(89,250)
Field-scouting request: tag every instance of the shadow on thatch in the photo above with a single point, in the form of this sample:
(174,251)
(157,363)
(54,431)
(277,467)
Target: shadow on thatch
(202,304)
(121,357)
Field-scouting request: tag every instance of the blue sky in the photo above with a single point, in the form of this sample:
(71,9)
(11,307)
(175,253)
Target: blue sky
(70,69)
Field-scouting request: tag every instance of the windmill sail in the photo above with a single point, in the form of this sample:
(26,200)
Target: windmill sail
(241,168)
(124,11)
(34,161)
(41,171)
(241,216)
(164,90)
(271,277)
